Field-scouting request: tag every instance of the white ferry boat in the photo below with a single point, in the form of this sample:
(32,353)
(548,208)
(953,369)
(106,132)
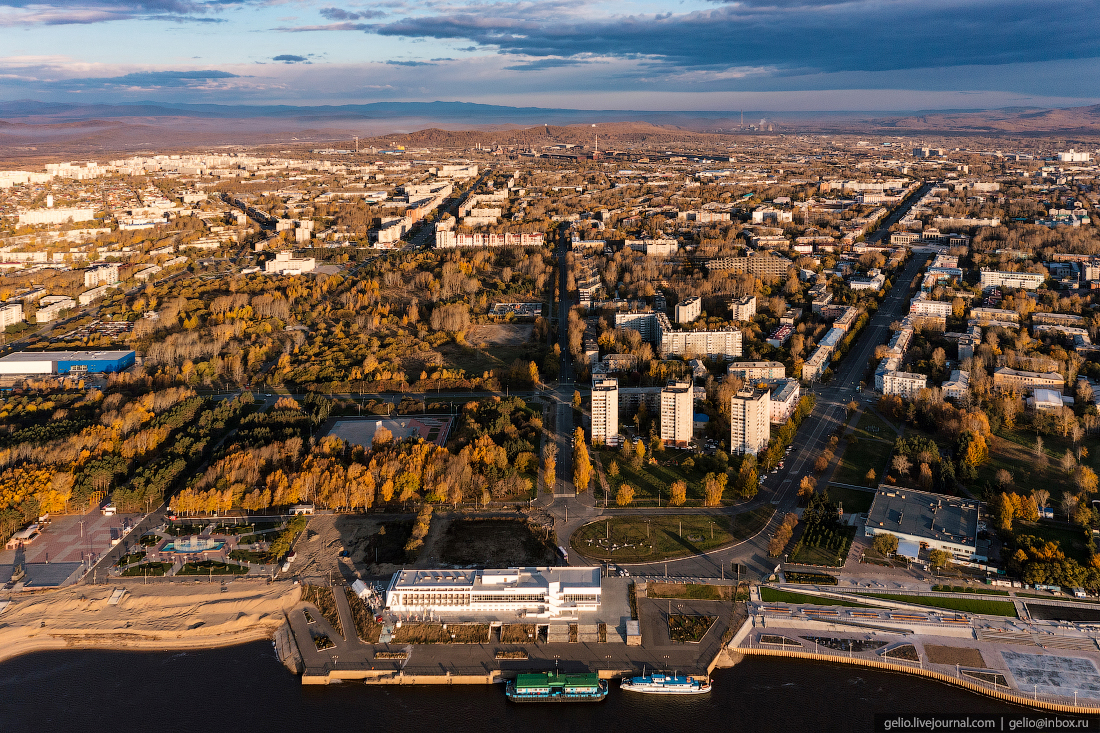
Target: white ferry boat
(664,684)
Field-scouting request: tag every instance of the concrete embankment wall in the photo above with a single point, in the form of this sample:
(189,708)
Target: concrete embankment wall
(287,649)
(1007,696)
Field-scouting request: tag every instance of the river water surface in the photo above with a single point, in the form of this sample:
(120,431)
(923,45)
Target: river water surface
(245,689)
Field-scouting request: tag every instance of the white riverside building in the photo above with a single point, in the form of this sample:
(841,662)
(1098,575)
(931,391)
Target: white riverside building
(540,592)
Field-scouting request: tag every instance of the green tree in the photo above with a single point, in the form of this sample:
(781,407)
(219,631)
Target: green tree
(939,558)
(885,544)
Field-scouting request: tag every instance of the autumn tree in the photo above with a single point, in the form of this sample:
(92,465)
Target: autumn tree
(714,485)
(549,464)
(625,495)
(807,486)
(582,465)
(678,492)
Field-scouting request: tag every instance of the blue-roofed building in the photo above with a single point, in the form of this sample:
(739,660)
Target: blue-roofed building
(66,362)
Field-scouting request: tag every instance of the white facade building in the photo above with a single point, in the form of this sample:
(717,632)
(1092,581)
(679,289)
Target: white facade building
(750,370)
(55,216)
(540,592)
(906,385)
(10,314)
(677,404)
(998,279)
(699,343)
(688,310)
(750,421)
(957,386)
(285,263)
(101,275)
(933,308)
(88,296)
(605,411)
(743,309)
(50,307)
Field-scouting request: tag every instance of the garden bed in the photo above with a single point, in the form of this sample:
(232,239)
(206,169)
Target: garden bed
(775,595)
(366,627)
(325,601)
(425,633)
(684,629)
(690,591)
(517,634)
(211,567)
(965,605)
(153,569)
(810,578)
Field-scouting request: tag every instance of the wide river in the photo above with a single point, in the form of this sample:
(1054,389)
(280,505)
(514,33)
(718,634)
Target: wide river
(244,688)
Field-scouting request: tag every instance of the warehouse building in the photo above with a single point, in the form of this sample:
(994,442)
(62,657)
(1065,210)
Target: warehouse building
(65,362)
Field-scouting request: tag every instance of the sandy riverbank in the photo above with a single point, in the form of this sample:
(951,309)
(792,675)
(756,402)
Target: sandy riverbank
(161,616)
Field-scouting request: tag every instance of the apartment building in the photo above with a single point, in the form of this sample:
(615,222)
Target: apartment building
(11,314)
(1018,380)
(101,275)
(677,403)
(750,370)
(906,385)
(784,397)
(925,308)
(689,309)
(743,309)
(605,411)
(50,307)
(285,263)
(999,279)
(750,421)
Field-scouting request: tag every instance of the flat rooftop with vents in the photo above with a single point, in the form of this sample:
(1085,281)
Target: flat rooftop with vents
(932,521)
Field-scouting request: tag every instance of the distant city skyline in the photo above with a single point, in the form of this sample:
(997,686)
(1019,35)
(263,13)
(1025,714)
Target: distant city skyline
(782,55)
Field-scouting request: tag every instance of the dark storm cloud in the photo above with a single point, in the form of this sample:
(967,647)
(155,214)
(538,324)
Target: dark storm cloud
(288,58)
(818,36)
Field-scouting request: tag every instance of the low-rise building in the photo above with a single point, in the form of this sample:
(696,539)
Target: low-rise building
(958,386)
(999,279)
(783,399)
(540,592)
(285,263)
(50,307)
(750,370)
(921,519)
(923,307)
(1017,380)
(88,296)
(906,385)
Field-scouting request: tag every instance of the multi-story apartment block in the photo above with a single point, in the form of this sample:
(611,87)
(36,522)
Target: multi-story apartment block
(998,279)
(906,385)
(750,370)
(50,307)
(1005,378)
(750,420)
(743,309)
(689,309)
(726,343)
(101,275)
(923,307)
(677,403)
(10,314)
(783,399)
(605,411)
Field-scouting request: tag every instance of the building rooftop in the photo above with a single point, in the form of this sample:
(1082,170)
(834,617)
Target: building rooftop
(21,356)
(536,577)
(925,515)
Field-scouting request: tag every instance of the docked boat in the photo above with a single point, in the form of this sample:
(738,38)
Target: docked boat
(556,687)
(664,684)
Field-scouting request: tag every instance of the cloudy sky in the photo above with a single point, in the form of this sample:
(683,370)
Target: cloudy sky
(588,54)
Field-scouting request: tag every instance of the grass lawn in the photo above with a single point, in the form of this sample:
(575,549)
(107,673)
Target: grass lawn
(651,480)
(859,456)
(854,500)
(1073,542)
(873,427)
(775,595)
(966,605)
(690,591)
(261,558)
(747,524)
(643,539)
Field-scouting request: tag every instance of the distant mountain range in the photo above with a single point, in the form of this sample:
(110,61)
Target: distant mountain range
(31,129)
